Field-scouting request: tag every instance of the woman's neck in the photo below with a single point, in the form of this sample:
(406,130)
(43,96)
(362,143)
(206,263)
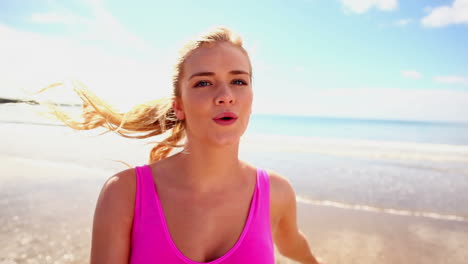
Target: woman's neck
(207,169)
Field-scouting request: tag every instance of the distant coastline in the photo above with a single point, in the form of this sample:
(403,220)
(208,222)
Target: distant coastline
(31,102)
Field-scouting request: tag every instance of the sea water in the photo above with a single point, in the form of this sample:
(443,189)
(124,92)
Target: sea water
(348,128)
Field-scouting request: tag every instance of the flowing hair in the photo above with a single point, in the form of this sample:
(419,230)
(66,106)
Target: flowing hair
(150,118)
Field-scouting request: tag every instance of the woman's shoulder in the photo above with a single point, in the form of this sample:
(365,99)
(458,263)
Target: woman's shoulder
(282,200)
(113,218)
(281,190)
(280,186)
(122,182)
(117,195)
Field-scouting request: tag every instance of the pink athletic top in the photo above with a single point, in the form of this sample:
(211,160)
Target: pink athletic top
(152,243)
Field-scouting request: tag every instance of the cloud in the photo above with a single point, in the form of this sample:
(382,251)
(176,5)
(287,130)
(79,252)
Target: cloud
(452,79)
(299,68)
(95,48)
(30,61)
(362,6)
(101,26)
(442,16)
(411,74)
(403,22)
(56,18)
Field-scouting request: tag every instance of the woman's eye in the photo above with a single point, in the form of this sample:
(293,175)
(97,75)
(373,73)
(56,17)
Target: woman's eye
(239,82)
(202,83)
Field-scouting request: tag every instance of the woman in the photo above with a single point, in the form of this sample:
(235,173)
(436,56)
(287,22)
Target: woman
(201,205)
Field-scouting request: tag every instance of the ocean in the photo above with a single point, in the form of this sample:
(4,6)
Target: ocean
(348,128)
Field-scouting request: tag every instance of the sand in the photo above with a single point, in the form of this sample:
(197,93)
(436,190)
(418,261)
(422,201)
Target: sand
(46,217)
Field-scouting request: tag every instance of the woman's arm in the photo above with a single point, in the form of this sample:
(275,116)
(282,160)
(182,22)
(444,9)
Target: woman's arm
(113,219)
(289,240)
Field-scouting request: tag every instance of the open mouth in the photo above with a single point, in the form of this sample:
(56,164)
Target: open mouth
(225,119)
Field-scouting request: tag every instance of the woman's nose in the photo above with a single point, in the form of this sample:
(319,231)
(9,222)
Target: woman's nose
(225,95)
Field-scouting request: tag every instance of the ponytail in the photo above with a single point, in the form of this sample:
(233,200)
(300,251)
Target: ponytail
(150,118)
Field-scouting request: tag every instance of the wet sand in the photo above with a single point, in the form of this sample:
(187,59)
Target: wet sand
(46,211)
(46,217)
(350,236)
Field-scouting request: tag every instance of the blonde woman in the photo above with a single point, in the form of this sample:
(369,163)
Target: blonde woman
(203,204)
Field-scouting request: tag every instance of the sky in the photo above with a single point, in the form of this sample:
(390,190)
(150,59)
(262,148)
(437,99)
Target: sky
(372,59)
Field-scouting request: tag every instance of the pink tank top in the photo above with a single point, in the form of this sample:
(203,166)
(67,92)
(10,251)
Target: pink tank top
(152,243)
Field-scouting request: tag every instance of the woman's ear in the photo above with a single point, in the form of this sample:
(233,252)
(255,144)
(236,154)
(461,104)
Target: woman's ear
(178,109)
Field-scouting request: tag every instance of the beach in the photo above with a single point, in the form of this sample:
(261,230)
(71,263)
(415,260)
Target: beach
(358,201)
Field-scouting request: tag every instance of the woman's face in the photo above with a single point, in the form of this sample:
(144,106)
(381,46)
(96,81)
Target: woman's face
(216,94)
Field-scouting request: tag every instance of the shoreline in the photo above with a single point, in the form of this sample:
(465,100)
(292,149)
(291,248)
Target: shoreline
(299,198)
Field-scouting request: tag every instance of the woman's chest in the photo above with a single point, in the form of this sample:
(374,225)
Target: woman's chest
(206,228)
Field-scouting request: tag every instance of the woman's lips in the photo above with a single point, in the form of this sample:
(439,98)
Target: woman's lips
(225,122)
(225,119)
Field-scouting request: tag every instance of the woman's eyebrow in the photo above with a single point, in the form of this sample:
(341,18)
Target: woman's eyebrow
(235,72)
(239,72)
(202,74)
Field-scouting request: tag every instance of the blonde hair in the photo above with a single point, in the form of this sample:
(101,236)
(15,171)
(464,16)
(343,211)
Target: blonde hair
(151,118)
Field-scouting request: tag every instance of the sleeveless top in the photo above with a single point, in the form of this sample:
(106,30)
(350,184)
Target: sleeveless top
(152,242)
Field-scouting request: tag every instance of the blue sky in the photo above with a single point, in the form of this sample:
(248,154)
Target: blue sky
(384,59)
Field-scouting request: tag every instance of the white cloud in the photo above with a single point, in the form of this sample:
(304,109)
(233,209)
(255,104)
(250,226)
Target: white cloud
(100,26)
(403,22)
(452,79)
(441,16)
(31,61)
(54,17)
(299,68)
(411,74)
(96,49)
(362,6)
